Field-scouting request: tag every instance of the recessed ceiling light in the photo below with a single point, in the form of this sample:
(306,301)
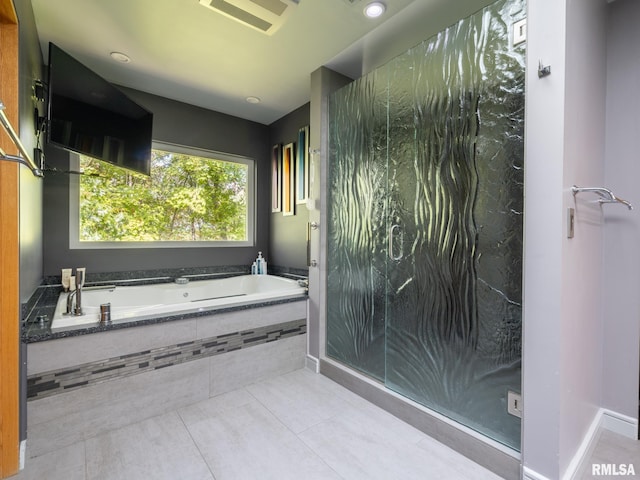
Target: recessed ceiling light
(374,9)
(253,100)
(120,57)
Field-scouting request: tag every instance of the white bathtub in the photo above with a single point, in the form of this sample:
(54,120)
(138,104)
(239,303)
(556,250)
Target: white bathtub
(132,303)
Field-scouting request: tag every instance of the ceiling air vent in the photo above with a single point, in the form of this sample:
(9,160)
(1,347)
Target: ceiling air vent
(266,16)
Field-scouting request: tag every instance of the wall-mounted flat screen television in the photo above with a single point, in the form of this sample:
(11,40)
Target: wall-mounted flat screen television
(88,115)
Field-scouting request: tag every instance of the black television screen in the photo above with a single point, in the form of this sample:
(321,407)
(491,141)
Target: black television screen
(88,115)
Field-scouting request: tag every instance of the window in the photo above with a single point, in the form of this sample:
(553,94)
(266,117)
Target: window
(193,198)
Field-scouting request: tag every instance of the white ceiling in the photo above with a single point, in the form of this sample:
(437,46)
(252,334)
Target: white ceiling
(186,52)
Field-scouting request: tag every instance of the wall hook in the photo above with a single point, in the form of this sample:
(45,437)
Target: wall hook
(542,70)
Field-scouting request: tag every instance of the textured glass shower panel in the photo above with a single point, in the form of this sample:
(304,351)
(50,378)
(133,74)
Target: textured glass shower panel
(455,188)
(357,178)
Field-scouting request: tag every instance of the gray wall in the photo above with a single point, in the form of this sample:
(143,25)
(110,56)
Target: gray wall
(583,279)
(622,232)
(30,69)
(177,123)
(288,238)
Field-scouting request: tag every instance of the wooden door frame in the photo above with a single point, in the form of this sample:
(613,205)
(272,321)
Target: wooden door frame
(9,251)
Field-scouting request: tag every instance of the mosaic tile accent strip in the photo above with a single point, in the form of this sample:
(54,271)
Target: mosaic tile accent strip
(67,379)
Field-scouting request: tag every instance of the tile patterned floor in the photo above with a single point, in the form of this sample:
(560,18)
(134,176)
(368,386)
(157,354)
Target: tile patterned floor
(295,426)
(611,449)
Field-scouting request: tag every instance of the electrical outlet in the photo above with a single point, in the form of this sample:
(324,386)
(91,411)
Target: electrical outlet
(514,404)
(520,32)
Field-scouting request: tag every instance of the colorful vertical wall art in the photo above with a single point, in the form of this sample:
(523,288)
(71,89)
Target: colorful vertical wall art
(276,178)
(302,166)
(288,179)
(290,174)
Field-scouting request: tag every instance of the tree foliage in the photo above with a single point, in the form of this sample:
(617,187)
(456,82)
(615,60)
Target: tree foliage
(186,198)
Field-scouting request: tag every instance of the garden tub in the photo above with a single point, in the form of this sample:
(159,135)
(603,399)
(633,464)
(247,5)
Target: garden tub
(133,303)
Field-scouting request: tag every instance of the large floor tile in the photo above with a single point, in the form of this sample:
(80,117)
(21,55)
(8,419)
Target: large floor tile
(458,465)
(366,445)
(248,442)
(298,425)
(159,448)
(67,463)
(611,449)
(215,406)
(366,415)
(299,399)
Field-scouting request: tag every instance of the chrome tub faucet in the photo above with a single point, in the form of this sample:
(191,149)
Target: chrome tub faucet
(76,309)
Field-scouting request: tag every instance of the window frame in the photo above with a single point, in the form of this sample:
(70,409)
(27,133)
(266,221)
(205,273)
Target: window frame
(74,206)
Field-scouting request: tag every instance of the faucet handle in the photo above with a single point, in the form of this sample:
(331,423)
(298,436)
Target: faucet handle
(80,274)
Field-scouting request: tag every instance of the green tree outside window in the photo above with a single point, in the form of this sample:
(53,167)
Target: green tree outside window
(186,198)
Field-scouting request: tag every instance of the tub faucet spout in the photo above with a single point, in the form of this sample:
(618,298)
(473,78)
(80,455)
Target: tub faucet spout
(70,296)
(74,309)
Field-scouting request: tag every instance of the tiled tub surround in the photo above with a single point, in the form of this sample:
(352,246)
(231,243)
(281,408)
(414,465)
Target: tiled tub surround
(188,360)
(66,379)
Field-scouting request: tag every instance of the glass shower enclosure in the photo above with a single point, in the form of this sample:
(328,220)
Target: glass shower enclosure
(425,203)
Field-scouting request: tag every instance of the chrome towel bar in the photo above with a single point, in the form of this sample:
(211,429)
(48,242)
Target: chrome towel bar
(26,158)
(606,195)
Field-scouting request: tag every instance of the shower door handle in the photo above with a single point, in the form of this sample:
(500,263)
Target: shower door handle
(392,235)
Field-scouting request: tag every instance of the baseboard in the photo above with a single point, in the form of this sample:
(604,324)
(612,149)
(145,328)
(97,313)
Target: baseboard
(23,453)
(586,446)
(528,474)
(604,419)
(312,363)
(618,423)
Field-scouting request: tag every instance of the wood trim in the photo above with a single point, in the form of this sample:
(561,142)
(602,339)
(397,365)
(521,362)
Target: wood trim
(9,251)
(8,13)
